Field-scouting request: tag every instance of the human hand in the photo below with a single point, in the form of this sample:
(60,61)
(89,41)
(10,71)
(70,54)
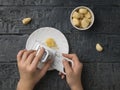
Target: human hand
(27,65)
(73,74)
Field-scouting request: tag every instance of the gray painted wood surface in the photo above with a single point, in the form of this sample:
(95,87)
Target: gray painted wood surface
(101,71)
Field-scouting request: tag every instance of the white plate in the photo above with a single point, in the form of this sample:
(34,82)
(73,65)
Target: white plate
(42,34)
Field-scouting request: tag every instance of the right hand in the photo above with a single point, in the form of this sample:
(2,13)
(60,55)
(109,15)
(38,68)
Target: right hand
(73,74)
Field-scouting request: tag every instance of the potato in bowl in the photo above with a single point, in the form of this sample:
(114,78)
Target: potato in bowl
(82,18)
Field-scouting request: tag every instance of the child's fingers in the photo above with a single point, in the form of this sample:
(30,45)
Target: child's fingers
(30,58)
(60,73)
(19,55)
(37,58)
(26,54)
(70,56)
(67,55)
(62,76)
(67,67)
(73,57)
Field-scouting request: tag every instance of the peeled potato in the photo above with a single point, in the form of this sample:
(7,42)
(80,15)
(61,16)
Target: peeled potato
(50,42)
(75,22)
(83,10)
(88,15)
(81,16)
(89,20)
(99,48)
(76,15)
(80,24)
(26,20)
(85,23)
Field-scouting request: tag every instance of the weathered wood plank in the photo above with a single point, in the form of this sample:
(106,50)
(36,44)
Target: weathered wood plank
(101,76)
(101,71)
(59,2)
(10,45)
(81,43)
(84,44)
(8,71)
(106,19)
(8,83)
(95,76)
(41,17)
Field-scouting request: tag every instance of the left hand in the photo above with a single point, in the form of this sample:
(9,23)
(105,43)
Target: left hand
(27,65)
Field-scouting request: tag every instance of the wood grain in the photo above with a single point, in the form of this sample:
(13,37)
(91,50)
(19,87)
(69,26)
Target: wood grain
(101,71)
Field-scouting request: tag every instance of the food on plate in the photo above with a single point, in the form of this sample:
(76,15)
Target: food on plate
(99,48)
(26,20)
(50,42)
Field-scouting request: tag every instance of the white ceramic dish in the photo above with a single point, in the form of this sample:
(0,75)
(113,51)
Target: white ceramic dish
(92,19)
(42,34)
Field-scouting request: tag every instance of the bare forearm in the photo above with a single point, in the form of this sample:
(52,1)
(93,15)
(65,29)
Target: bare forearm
(77,87)
(24,86)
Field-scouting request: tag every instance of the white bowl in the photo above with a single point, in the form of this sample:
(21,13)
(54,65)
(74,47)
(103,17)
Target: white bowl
(92,17)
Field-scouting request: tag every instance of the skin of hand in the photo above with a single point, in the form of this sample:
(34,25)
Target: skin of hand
(29,73)
(73,73)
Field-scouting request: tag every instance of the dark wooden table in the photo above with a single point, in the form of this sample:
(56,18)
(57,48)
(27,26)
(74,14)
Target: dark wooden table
(101,70)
